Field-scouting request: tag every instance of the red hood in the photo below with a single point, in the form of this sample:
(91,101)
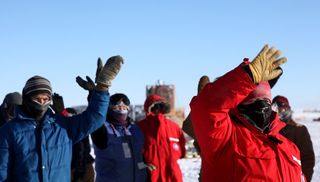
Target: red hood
(151,100)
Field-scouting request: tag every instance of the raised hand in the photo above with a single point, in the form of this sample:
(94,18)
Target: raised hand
(85,84)
(109,71)
(57,103)
(266,65)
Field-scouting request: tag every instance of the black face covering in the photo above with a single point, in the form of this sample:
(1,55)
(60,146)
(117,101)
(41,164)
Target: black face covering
(259,112)
(35,109)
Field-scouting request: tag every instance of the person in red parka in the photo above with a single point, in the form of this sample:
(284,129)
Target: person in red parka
(237,131)
(164,142)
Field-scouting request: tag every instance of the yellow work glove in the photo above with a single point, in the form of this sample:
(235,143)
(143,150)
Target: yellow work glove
(266,65)
(109,71)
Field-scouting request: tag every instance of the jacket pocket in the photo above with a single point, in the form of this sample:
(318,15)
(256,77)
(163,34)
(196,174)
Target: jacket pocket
(255,162)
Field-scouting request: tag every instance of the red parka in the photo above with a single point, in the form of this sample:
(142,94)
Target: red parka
(231,148)
(164,145)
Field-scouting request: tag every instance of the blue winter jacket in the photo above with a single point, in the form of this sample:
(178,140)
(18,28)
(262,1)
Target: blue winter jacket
(33,153)
(122,160)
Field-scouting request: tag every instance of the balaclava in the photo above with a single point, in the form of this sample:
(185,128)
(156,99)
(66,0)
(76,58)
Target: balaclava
(36,85)
(257,106)
(283,108)
(118,109)
(9,104)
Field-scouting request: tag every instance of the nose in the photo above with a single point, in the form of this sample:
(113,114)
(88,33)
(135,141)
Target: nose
(42,100)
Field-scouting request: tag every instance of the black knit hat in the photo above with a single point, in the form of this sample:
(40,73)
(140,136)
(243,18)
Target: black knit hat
(116,98)
(37,84)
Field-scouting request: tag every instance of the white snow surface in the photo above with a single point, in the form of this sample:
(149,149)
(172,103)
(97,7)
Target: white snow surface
(190,167)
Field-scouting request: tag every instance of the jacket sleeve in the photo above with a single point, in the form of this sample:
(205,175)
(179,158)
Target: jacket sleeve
(5,156)
(99,138)
(306,152)
(210,110)
(81,125)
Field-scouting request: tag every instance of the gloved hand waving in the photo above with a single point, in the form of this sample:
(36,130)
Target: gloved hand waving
(203,81)
(89,84)
(109,71)
(104,75)
(57,103)
(266,65)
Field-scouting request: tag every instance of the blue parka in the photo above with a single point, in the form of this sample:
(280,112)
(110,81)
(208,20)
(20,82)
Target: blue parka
(122,159)
(43,153)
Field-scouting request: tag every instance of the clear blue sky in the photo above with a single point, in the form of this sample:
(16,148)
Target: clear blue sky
(174,41)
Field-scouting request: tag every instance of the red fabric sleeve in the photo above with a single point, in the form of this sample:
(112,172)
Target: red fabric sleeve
(210,110)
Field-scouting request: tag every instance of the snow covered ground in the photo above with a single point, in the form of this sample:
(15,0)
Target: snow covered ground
(190,167)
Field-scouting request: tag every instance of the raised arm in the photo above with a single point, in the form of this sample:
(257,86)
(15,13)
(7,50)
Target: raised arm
(210,109)
(85,123)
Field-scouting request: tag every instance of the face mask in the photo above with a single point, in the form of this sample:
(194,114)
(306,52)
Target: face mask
(36,109)
(259,112)
(119,117)
(155,117)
